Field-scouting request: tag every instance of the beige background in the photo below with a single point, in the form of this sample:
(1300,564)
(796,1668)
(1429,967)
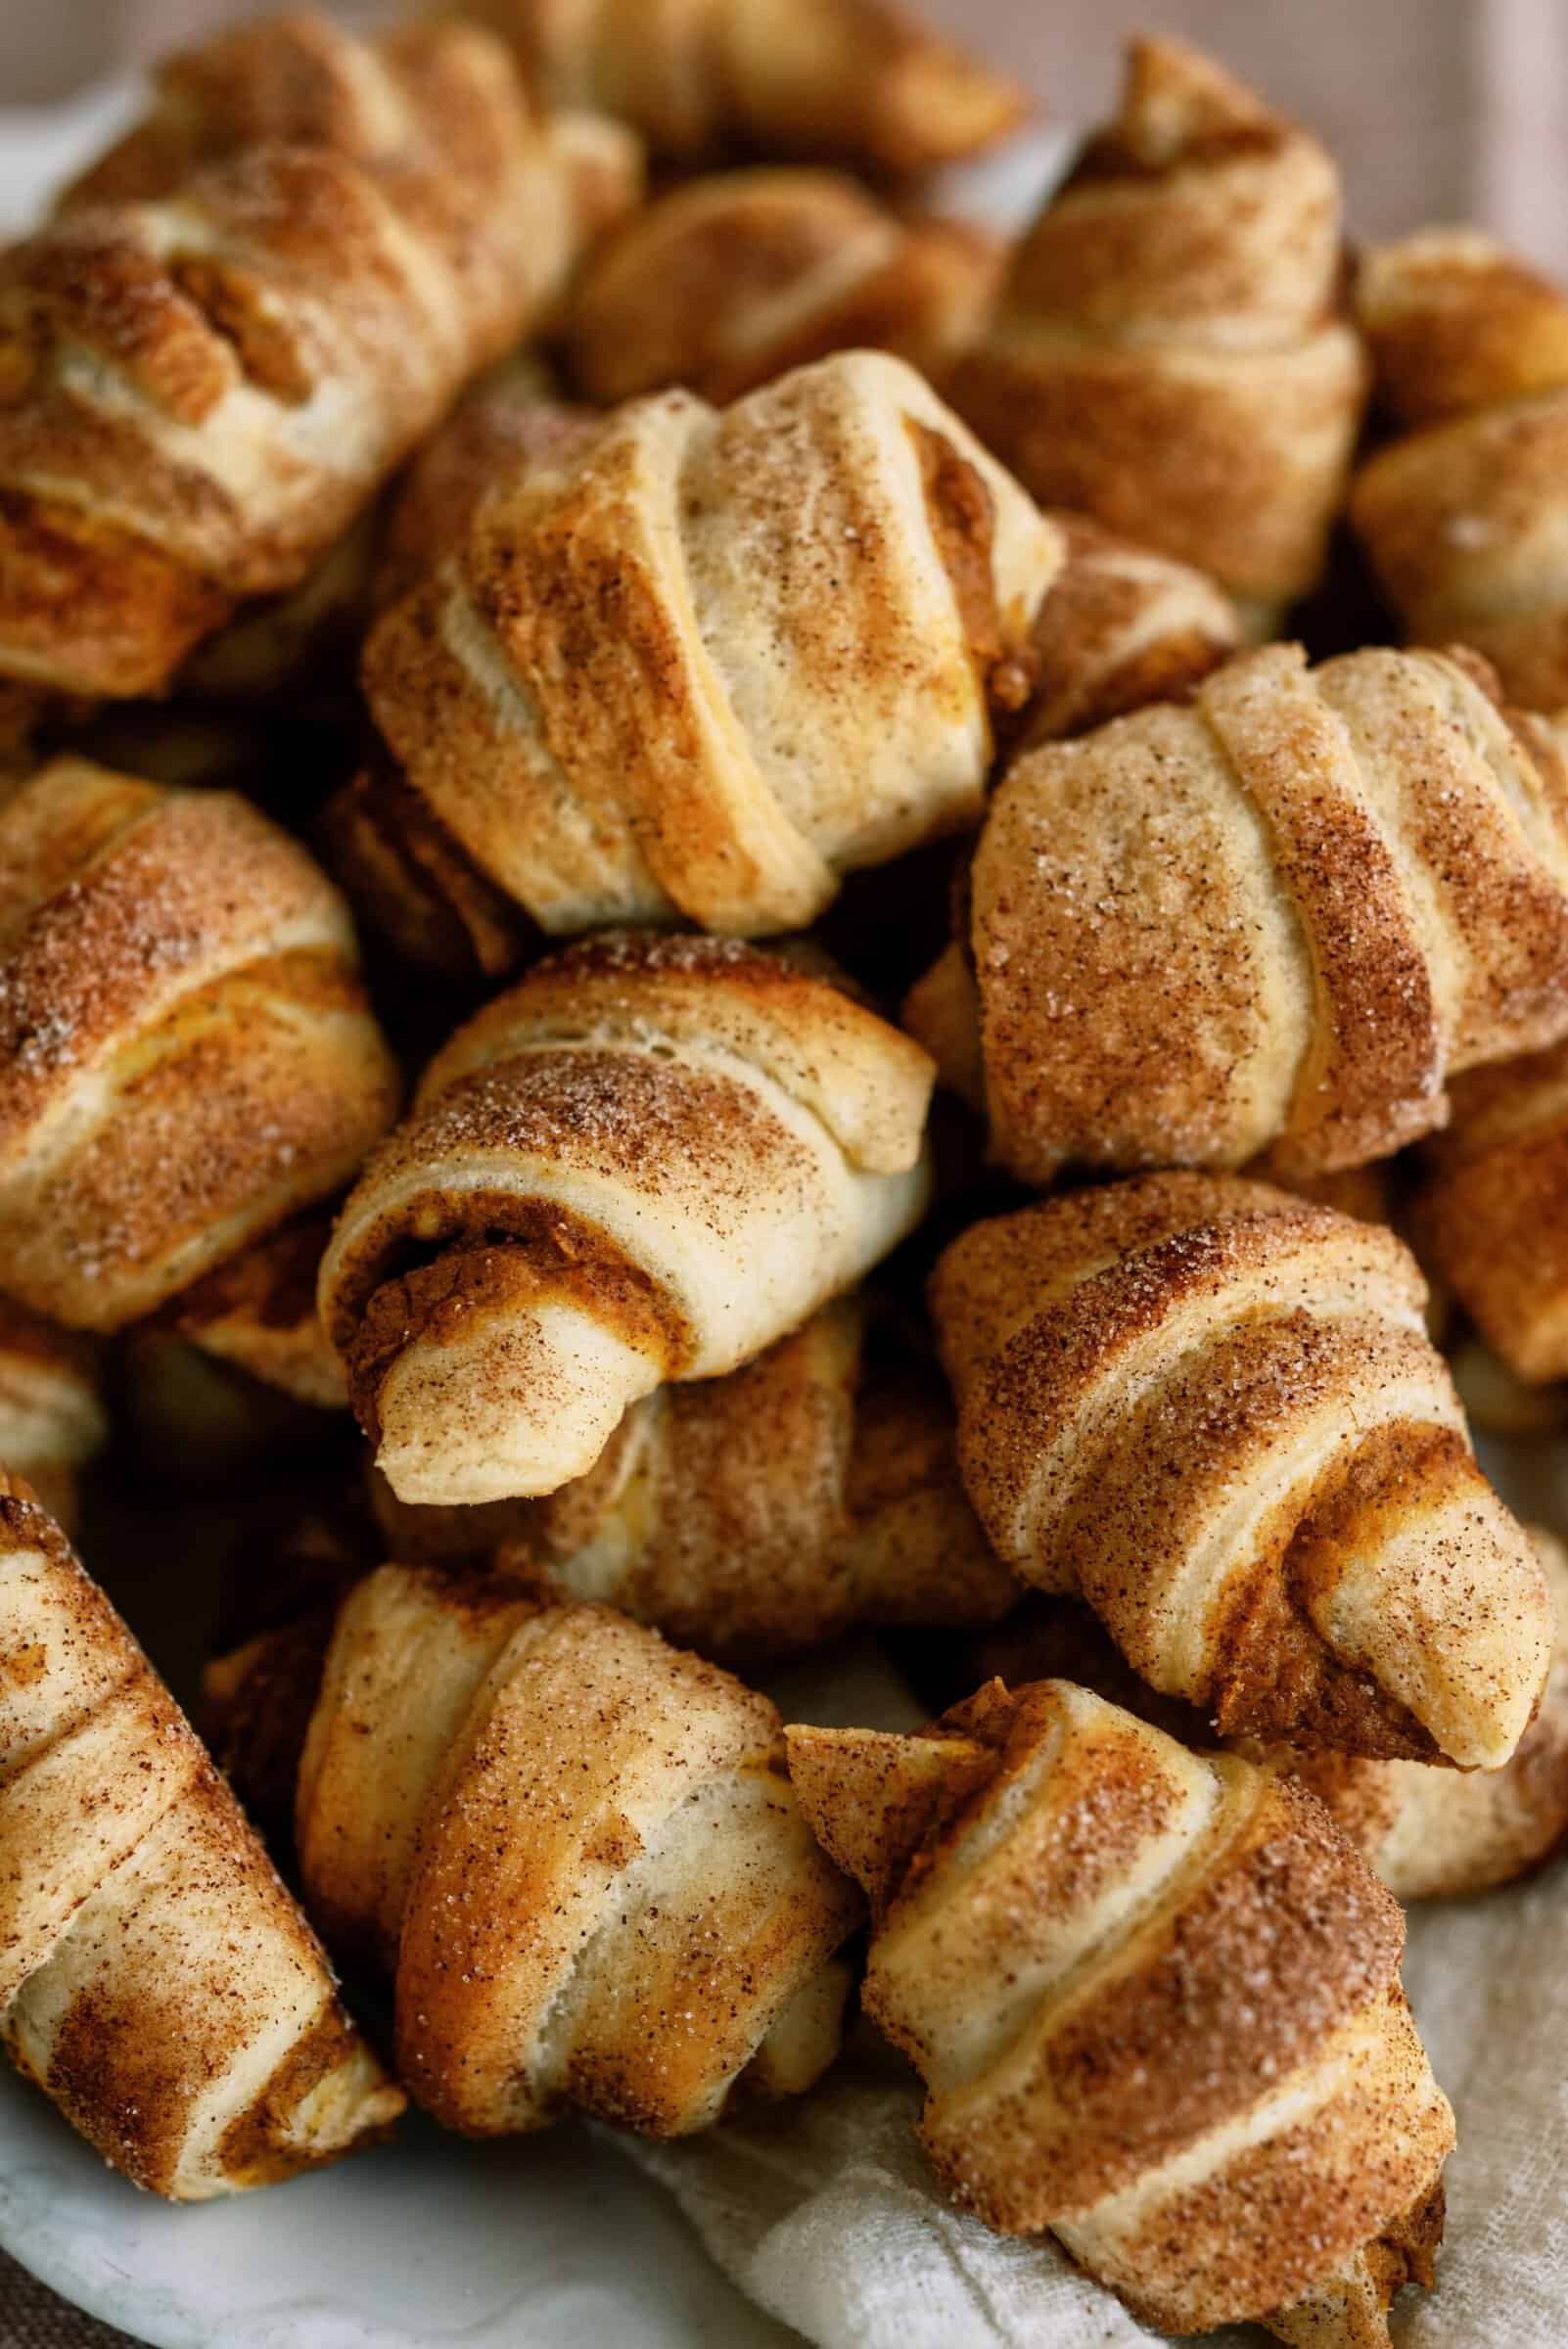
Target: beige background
(1439,109)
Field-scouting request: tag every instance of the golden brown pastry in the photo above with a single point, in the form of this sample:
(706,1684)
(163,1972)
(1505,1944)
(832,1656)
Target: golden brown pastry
(1491,1212)
(734,277)
(155,1979)
(648,1161)
(577,1850)
(187,1056)
(758,1515)
(1213,1413)
(245,318)
(1464,512)
(721,659)
(853,80)
(1268,924)
(1429,1833)
(1167,351)
(52,1417)
(1155,1998)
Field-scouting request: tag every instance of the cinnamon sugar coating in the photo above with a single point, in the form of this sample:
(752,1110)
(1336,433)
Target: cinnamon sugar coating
(856,82)
(753,1515)
(1155,1999)
(647,1161)
(245,319)
(736,276)
(721,658)
(1168,352)
(576,1850)
(186,1055)
(1213,1412)
(155,1978)
(1463,510)
(1270,924)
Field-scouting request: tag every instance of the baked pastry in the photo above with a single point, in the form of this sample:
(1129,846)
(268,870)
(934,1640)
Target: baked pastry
(1463,510)
(721,659)
(1429,1833)
(647,1161)
(1168,352)
(853,80)
(1491,1212)
(155,1979)
(577,1851)
(730,279)
(52,1416)
(1155,1998)
(187,1056)
(1213,1413)
(753,1515)
(245,319)
(1269,925)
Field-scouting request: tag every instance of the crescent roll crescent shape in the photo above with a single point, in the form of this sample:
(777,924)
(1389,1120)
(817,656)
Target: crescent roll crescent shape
(186,1055)
(52,1416)
(852,80)
(203,380)
(723,656)
(731,279)
(753,1515)
(1155,1999)
(1213,1412)
(1464,512)
(1491,1215)
(646,1162)
(1268,925)
(1168,352)
(579,1851)
(155,1979)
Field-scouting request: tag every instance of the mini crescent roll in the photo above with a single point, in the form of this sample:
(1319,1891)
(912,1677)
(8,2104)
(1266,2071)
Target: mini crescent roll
(646,1162)
(1213,1413)
(1155,1999)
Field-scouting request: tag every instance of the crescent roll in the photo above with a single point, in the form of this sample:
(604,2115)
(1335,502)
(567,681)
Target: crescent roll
(1168,352)
(187,1054)
(1213,1412)
(245,319)
(1464,511)
(1268,924)
(1155,1998)
(155,1979)
(577,1851)
(646,1162)
(51,1414)
(858,81)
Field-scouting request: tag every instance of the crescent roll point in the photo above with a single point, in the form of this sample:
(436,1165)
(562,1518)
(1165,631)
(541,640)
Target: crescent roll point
(577,1850)
(1463,512)
(1213,1412)
(155,1979)
(856,82)
(245,318)
(649,1160)
(186,1055)
(737,276)
(1429,1833)
(1155,1999)
(755,1515)
(1168,352)
(1268,925)
(723,656)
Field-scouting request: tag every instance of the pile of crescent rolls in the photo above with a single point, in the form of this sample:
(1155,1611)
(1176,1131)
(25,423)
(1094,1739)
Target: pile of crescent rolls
(728,915)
